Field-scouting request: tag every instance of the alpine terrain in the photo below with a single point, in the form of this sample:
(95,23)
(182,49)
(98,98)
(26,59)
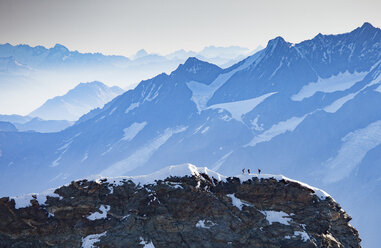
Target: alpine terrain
(77,101)
(309,111)
(178,206)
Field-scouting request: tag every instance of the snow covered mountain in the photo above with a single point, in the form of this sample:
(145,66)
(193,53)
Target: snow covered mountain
(30,124)
(41,57)
(309,111)
(27,73)
(241,211)
(7,127)
(221,56)
(43,126)
(77,102)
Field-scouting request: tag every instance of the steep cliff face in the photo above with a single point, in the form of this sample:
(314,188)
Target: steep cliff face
(170,208)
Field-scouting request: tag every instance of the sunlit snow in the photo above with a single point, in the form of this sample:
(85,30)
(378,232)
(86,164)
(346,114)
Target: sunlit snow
(277,129)
(132,107)
(336,105)
(131,131)
(237,202)
(206,224)
(24,200)
(276,216)
(217,165)
(141,155)
(339,82)
(301,234)
(354,148)
(146,243)
(201,93)
(239,108)
(90,240)
(102,215)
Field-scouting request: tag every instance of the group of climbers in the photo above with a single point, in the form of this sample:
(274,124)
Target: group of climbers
(249,172)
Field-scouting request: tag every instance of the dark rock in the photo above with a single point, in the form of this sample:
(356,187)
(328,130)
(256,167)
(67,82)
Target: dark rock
(185,211)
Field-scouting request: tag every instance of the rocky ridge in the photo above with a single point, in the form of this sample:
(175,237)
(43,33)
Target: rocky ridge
(178,206)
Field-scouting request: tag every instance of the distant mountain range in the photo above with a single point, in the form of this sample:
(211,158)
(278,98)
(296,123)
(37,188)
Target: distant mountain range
(7,127)
(308,110)
(19,123)
(77,102)
(60,112)
(31,75)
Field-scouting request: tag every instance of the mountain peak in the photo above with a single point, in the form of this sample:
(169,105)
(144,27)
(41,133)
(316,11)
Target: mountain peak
(96,84)
(366,28)
(193,65)
(197,70)
(85,97)
(193,60)
(140,53)
(367,25)
(278,39)
(59,47)
(276,43)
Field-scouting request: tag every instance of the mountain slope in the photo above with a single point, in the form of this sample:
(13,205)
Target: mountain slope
(31,75)
(178,206)
(77,102)
(7,127)
(307,110)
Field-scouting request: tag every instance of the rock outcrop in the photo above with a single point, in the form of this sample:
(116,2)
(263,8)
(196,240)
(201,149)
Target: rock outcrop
(195,209)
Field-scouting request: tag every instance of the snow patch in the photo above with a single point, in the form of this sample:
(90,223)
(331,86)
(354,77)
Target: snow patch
(276,216)
(237,202)
(90,240)
(218,163)
(256,126)
(56,162)
(301,234)
(102,215)
(354,148)
(378,89)
(85,157)
(201,93)
(141,155)
(152,95)
(132,107)
(24,200)
(277,129)
(240,108)
(112,111)
(339,82)
(205,130)
(66,145)
(336,105)
(131,131)
(146,243)
(206,224)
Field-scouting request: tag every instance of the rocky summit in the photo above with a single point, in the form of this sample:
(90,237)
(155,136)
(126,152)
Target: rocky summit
(178,206)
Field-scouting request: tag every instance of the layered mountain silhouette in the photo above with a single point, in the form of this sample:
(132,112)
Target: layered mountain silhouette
(77,102)
(43,73)
(308,110)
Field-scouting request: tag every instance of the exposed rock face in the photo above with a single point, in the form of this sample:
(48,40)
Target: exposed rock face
(188,211)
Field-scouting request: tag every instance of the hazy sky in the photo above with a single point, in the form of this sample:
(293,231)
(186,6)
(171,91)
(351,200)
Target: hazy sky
(162,26)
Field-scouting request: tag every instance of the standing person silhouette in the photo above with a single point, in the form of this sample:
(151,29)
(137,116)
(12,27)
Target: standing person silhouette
(248,171)
(243,171)
(259,171)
